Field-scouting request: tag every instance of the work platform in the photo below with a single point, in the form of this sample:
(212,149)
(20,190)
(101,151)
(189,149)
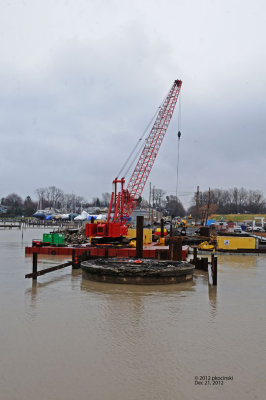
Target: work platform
(149,251)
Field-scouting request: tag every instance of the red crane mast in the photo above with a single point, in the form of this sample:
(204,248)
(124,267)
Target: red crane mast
(123,202)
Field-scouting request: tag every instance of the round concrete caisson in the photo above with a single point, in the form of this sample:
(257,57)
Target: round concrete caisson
(138,272)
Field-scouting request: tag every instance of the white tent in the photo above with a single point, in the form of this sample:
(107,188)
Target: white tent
(82,217)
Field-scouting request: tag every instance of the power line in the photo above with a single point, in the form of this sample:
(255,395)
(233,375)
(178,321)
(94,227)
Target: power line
(178,144)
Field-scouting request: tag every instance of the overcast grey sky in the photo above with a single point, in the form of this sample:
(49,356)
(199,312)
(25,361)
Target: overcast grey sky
(80,80)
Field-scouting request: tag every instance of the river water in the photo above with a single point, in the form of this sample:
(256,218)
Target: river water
(66,338)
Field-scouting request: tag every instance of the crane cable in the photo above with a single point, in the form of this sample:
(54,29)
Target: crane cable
(139,142)
(178,144)
(134,149)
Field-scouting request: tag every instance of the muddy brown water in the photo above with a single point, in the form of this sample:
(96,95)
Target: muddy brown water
(66,338)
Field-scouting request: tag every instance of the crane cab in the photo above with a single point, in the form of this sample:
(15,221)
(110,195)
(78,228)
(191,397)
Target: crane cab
(109,229)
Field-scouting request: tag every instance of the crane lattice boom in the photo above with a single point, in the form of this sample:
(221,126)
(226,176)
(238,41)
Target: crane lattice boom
(124,201)
(146,160)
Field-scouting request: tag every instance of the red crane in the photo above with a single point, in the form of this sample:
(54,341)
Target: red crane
(124,201)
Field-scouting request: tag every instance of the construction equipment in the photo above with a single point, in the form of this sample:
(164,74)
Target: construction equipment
(50,239)
(205,246)
(183,226)
(180,226)
(124,201)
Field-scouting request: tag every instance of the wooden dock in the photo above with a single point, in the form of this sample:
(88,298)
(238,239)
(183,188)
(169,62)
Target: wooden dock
(9,223)
(10,226)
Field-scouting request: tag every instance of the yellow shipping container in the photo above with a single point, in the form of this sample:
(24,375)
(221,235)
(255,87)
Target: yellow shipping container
(234,242)
(147,235)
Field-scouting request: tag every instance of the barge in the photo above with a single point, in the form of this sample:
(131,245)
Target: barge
(149,251)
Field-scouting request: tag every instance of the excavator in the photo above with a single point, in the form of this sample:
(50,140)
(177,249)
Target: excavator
(183,227)
(124,199)
(180,226)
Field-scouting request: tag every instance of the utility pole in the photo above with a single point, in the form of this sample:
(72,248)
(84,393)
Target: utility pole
(153,189)
(150,204)
(208,205)
(197,206)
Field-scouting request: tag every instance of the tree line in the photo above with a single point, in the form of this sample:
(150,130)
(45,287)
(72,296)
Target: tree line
(50,197)
(222,201)
(229,201)
(54,198)
(167,204)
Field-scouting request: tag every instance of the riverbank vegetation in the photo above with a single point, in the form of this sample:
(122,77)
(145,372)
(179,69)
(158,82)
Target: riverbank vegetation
(228,201)
(54,198)
(237,217)
(222,203)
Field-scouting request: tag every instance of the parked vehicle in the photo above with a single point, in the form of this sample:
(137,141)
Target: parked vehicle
(254,229)
(258,229)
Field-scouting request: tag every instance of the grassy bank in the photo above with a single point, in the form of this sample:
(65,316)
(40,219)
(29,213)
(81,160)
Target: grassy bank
(236,217)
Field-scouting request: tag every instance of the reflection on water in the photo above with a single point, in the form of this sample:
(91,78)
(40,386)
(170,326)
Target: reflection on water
(127,290)
(212,291)
(243,261)
(64,337)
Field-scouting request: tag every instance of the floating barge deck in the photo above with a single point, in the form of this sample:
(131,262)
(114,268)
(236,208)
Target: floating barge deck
(149,251)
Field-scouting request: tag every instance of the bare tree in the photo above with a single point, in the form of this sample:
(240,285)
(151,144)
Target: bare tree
(256,201)
(158,195)
(243,200)
(174,207)
(106,197)
(233,200)
(55,196)
(41,196)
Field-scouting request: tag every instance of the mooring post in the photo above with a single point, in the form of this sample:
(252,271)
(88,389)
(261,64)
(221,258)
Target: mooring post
(197,263)
(195,255)
(162,228)
(212,262)
(170,253)
(73,257)
(139,241)
(176,249)
(34,264)
(215,269)
(75,260)
(204,263)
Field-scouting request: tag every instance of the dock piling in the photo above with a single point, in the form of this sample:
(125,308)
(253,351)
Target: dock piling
(75,260)
(195,254)
(139,239)
(204,263)
(34,264)
(214,270)
(162,228)
(175,248)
